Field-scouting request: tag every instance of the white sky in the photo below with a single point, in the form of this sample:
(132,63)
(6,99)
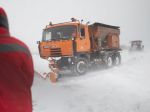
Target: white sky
(27,18)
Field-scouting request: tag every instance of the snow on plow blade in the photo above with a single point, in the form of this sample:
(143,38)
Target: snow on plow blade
(51,75)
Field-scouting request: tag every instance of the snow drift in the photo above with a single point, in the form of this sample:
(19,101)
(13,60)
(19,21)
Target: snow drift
(125,88)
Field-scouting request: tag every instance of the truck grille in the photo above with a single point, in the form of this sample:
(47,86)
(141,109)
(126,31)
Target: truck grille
(55,52)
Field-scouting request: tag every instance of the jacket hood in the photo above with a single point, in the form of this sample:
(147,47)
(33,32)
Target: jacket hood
(4,26)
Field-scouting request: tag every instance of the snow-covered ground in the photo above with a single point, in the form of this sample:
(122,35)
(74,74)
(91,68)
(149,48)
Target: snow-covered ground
(125,88)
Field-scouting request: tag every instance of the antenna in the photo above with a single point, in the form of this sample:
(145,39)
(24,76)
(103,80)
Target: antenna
(87,22)
(50,23)
(73,19)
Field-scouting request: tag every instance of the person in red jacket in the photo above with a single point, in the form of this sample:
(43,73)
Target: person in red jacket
(16,71)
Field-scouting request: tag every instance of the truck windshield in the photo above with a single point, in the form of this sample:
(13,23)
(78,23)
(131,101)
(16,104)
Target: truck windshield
(59,33)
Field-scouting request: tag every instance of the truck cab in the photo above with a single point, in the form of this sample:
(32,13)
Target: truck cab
(64,39)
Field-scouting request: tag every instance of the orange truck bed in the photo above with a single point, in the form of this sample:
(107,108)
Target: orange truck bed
(105,36)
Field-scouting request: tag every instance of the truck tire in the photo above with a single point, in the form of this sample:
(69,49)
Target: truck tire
(81,66)
(117,59)
(109,61)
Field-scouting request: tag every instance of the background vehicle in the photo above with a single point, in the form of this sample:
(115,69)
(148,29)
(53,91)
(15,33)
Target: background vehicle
(78,47)
(136,45)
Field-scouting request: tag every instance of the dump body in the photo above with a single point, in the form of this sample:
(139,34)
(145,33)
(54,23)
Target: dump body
(104,36)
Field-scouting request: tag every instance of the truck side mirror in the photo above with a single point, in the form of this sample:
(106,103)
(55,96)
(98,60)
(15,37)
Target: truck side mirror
(82,32)
(38,42)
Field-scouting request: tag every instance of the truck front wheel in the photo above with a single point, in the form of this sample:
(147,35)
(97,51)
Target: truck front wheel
(81,66)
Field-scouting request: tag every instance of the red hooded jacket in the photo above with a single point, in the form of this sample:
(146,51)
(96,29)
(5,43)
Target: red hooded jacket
(16,72)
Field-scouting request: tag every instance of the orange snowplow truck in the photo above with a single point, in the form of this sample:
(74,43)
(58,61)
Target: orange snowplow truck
(78,47)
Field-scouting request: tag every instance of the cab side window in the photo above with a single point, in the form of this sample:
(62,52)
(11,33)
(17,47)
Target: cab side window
(82,32)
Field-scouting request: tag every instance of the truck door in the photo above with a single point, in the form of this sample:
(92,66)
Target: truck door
(83,41)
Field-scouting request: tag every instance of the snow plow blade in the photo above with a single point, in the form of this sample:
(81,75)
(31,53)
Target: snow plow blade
(53,77)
